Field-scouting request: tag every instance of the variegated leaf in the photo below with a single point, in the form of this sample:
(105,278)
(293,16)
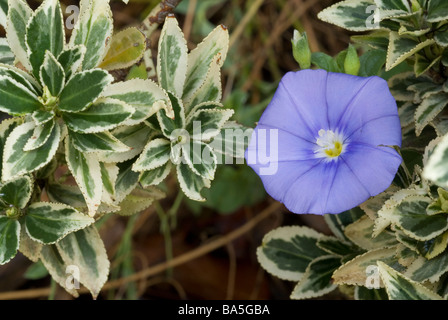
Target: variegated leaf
(18,16)
(354,272)
(436,168)
(17,192)
(410,215)
(210,89)
(200,158)
(139,200)
(41,134)
(360,233)
(399,84)
(401,5)
(93,30)
(136,137)
(208,55)
(41,117)
(28,247)
(9,238)
(335,246)
(126,48)
(127,180)
(57,267)
(286,252)
(167,124)
(352,15)
(317,278)
(233,140)
(86,250)
(48,222)
(16,98)
(21,77)
(155,176)
(423,65)
(6,127)
(172,57)
(71,60)
(105,114)
(86,170)
(145,96)
(6,55)
(441,38)
(374,204)
(399,287)
(428,110)
(205,124)
(83,89)
(17,162)
(363,293)
(437,10)
(402,47)
(70,195)
(96,142)
(423,269)
(3,12)
(156,154)
(52,74)
(45,31)
(109,175)
(190,183)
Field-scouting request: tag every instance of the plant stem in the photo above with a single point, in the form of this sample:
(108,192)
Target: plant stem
(53,288)
(166,232)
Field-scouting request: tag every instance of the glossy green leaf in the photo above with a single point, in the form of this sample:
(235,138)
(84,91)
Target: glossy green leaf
(83,89)
(16,98)
(17,192)
(40,135)
(71,60)
(45,31)
(286,252)
(17,162)
(50,222)
(52,74)
(437,10)
(41,117)
(21,77)
(9,238)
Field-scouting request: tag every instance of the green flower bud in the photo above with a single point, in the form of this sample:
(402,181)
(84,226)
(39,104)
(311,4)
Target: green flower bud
(415,5)
(301,50)
(351,63)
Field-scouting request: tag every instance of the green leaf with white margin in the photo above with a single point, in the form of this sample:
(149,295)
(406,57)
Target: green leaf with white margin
(16,98)
(399,287)
(428,110)
(441,37)
(109,175)
(205,124)
(286,252)
(136,137)
(17,192)
(57,268)
(126,49)
(28,247)
(18,16)
(211,51)
(85,249)
(145,96)
(127,180)
(393,5)
(93,29)
(96,142)
(374,204)
(233,140)
(156,154)
(6,127)
(167,124)
(48,222)
(17,162)
(200,158)
(423,269)
(9,238)
(105,114)
(399,85)
(139,200)
(363,293)
(335,246)
(436,169)
(83,89)
(45,31)
(360,233)
(410,215)
(6,55)
(211,88)
(352,15)
(316,280)
(21,77)
(70,195)
(71,60)
(354,272)
(190,183)
(155,176)
(3,12)
(52,74)
(86,170)
(172,57)
(423,64)
(437,10)
(40,135)
(41,117)
(401,48)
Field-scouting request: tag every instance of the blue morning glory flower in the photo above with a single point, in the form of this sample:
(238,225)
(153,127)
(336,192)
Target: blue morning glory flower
(324,143)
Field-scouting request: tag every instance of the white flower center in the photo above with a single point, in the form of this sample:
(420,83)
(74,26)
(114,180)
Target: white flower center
(329,144)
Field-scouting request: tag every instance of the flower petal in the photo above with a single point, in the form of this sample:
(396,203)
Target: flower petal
(297,107)
(384,131)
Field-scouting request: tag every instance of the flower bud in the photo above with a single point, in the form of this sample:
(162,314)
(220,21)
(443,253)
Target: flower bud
(301,49)
(351,63)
